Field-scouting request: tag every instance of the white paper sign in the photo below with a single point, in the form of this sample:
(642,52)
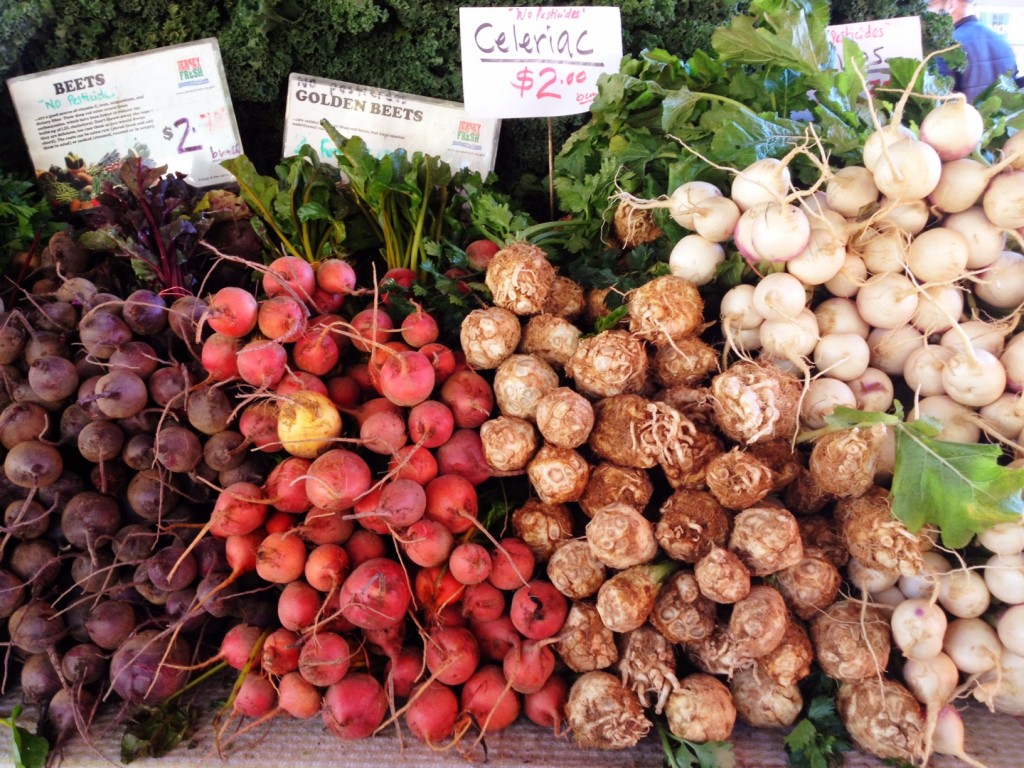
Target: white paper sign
(386,121)
(536,62)
(170,105)
(880,40)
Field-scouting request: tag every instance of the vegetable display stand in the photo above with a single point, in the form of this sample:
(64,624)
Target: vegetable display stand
(993,739)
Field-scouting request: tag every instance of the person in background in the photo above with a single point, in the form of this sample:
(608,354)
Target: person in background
(988,54)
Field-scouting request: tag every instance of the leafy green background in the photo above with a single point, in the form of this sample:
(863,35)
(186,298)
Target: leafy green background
(405,45)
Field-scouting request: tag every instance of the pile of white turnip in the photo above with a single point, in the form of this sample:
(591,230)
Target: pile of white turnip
(898,278)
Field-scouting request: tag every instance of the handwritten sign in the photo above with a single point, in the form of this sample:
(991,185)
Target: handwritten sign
(386,121)
(880,40)
(170,106)
(536,62)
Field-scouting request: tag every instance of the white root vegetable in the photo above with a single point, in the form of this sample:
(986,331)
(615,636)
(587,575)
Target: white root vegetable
(1004,577)
(1010,629)
(1003,538)
(868,580)
(938,309)
(908,170)
(973,645)
(890,348)
(780,232)
(1005,415)
(878,140)
(714,218)
(839,315)
(938,255)
(953,128)
(882,251)
(923,369)
(686,196)
(974,379)
(737,308)
(964,593)
(989,336)
(873,389)
(850,277)
(933,680)
(918,627)
(1003,201)
(1013,362)
(850,189)
(764,181)
(959,423)
(821,259)
(888,300)
(961,185)
(779,296)
(1001,284)
(695,258)
(909,216)
(985,241)
(843,356)
(791,340)
(1002,689)
(948,736)
(822,397)
(926,583)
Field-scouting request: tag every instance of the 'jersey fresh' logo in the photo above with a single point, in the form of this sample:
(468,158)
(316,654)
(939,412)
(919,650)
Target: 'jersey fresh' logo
(468,131)
(190,72)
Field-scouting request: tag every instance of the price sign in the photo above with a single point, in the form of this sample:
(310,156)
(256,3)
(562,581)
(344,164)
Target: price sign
(880,40)
(536,62)
(170,106)
(386,121)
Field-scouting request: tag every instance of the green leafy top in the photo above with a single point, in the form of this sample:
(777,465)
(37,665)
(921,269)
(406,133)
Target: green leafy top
(960,488)
(27,749)
(818,739)
(300,210)
(680,753)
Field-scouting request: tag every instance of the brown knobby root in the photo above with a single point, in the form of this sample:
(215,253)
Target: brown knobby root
(508,443)
(647,665)
(520,381)
(803,496)
(758,622)
(551,338)
(685,466)
(602,713)
(821,536)
(620,537)
(690,523)
(634,226)
(626,600)
(781,458)
(852,641)
(558,475)
(766,539)
(681,613)
(791,660)
(566,299)
(488,336)
(543,527)
(609,363)
(611,483)
(762,702)
(844,463)
(722,576)
(664,309)
(738,479)
(693,402)
(755,402)
(564,417)
(875,537)
(811,585)
(701,709)
(574,570)
(519,277)
(715,654)
(883,718)
(584,642)
(685,362)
